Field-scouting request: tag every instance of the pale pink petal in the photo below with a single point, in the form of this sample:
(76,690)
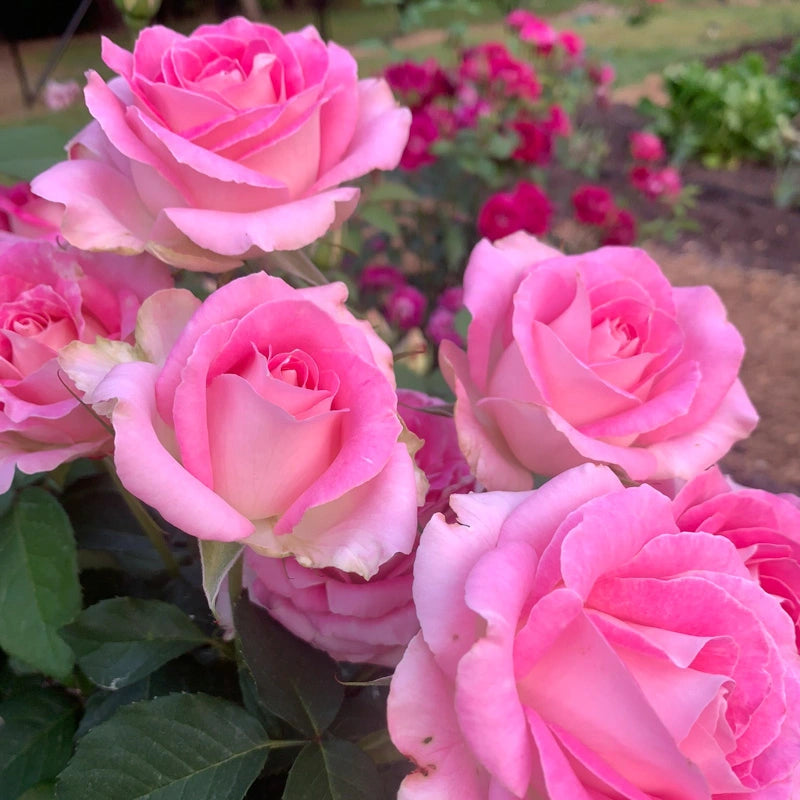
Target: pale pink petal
(352,533)
(448,623)
(423,726)
(150,471)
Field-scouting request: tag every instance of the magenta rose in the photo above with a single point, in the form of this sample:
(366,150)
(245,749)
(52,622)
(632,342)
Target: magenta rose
(764,527)
(267,415)
(594,205)
(219,146)
(646,146)
(580,645)
(593,357)
(350,618)
(52,296)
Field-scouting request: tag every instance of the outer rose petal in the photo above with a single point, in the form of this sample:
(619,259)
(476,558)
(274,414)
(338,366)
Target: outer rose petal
(351,533)
(423,725)
(148,469)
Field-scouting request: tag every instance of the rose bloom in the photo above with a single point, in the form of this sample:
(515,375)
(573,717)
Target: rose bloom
(442,325)
(24,214)
(592,357)
(222,145)
(540,34)
(581,644)
(452,298)
(520,17)
(526,208)
(271,413)
(573,44)
(621,230)
(558,121)
(405,307)
(594,205)
(535,142)
(602,75)
(669,183)
(765,527)
(52,296)
(418,83)
(59,95)
(339,612)
(423,133)
(378,277)
(646,146)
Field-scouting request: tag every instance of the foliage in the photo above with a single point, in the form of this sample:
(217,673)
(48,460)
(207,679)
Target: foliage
(739,112)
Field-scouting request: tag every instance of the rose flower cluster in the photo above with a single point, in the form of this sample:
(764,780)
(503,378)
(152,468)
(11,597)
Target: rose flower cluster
(560,627)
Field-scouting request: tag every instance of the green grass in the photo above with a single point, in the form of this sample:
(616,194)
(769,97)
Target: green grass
(690,32)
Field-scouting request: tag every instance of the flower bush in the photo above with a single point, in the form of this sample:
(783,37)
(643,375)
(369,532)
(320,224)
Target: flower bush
(260,539)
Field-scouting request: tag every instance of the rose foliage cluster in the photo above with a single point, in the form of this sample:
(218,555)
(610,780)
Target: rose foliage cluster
(226,530)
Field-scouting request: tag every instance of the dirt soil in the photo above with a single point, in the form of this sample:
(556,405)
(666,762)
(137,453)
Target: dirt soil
(749,251)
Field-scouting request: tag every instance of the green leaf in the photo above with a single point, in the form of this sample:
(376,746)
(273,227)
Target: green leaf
(121,640)
(39,589)
(379,217)
(295,681)
(333,769)
(42,791)
(217,559)
(461,322)
(28,150)
(35,739)
(395,191)
(184,674)
(179,747)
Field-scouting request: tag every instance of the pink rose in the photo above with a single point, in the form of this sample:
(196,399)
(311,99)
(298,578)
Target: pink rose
(540,34)
(764,527)
(271,413)
(439,457)
(222,145)
(646,146)
(339,612)
(52,296)
(592,357)
(59,95)
(24,214)
(573,44)
(581,645)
